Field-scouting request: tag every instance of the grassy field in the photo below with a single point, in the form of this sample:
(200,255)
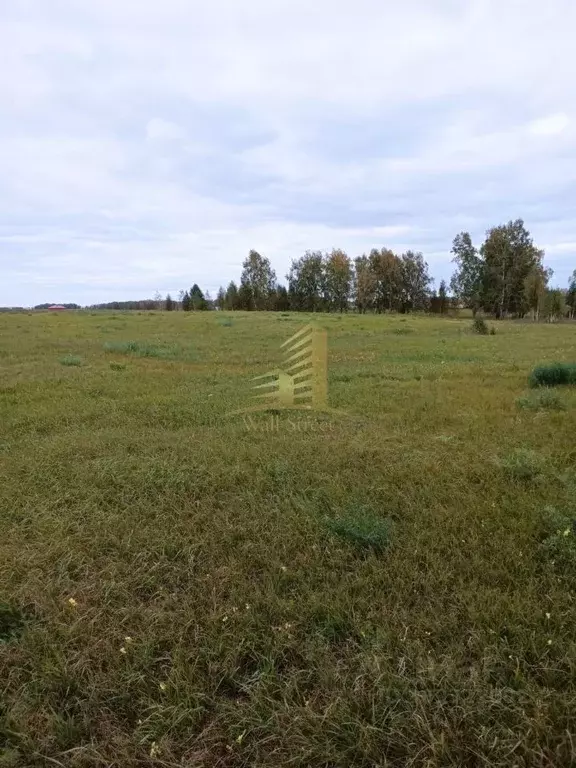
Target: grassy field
(390,587)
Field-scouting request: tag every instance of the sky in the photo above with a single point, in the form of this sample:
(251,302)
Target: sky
(147,145)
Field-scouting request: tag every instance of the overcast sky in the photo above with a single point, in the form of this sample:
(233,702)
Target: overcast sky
(148,144)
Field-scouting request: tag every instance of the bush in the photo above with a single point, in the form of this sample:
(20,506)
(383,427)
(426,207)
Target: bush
(545,399)
(553,375)
(522,464)
(492,331)
(71,360)
(480,326)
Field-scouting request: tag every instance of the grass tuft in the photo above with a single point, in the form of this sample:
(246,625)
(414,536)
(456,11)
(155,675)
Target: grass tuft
(71,360)
(558,546)
(522,464)
(545,399)
(553,375)
(363,530)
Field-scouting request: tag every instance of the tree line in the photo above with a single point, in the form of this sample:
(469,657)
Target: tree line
(504,277)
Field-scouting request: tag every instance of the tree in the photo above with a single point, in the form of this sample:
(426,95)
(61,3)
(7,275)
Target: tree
(443,297)
(386,269)
(509,256)
(258,281)
(245,297)
(535,287)
(158,300)
(197,300)
(415,281)
(571,295)
(306,282)
(186,302)
(364,284)
(554,305)
(169,303)
(231,297)
(221,298)
(466,282)
(338,280)
(279,300)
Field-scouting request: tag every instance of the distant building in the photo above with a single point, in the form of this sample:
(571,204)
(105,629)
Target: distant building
(57,307)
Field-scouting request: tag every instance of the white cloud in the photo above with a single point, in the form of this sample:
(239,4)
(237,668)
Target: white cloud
(169,141)
(164,129)
(550,126)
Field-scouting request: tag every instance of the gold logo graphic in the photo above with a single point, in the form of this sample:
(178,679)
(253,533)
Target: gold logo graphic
(302,382)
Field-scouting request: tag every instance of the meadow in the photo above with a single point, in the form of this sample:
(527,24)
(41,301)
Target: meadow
(392,585)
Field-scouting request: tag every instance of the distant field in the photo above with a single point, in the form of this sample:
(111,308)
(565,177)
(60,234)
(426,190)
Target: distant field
(390,587)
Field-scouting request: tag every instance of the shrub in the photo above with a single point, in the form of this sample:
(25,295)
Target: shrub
(226,322)
(522,464)
(71,360)
(545,399)
(492,331)
(480,326)
(553,375)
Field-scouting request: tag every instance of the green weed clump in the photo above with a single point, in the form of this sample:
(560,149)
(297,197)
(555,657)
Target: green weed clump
(71,360)
(363,530)
(544,399)
(117,366)
(553,375)
(522,464)
(558,547)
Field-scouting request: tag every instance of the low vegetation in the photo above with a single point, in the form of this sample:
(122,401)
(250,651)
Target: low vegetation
(553,375)
(542,399)
(71,360)
(382,585)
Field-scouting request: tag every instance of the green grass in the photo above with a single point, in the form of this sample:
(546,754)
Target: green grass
(71,360)
(142,349)
(544,398)
(553,375)
(376,586)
